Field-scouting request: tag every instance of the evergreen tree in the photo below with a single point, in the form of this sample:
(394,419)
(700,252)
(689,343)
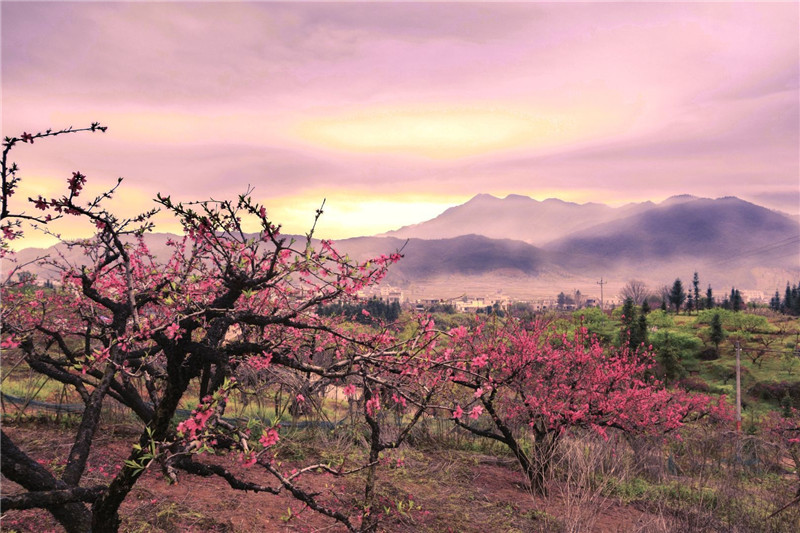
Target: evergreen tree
(709,298)
(689,303)
(639,332)
(736,301)
(717,334)
(787,299)
(786,405)
(775,302)
(663,305)
(670,361)
(677,295)
(627,320)
(795,307)
(696,285)
(645,308)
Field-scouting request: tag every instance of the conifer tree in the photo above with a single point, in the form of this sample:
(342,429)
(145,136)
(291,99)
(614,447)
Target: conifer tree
(717,334)
(677,296)
(775,302)
(696,285)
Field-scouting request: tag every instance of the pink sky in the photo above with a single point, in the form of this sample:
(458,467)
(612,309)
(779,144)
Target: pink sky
(394,112)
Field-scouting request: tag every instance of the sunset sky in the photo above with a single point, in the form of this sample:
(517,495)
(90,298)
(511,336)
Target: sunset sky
(394,112)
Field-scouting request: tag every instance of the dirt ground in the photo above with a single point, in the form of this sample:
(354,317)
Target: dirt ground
(452,491)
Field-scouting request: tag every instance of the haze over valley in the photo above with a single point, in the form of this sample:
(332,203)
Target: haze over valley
(523,248)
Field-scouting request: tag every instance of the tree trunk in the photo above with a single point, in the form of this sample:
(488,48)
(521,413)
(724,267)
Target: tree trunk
(369,518)
(105,517)
(23,470)
(535,467)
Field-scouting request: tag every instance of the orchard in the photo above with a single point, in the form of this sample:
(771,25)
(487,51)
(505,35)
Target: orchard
(234,312)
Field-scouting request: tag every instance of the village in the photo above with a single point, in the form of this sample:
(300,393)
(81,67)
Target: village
(499,301)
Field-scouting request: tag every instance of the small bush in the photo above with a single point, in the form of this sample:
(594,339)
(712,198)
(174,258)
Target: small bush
(774,391)
(694,383)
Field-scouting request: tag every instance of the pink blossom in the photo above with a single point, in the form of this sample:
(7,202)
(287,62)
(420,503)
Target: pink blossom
(9,342)
(40,203)
(350,390)
(172,331)
(247,460)
(480,361)
(269,437)
(260,362)
(373,404)
(202,417)
(458,413)
(476,412)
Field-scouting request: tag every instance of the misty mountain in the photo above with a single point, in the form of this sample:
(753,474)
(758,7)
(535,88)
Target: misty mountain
(469,255)
(516,217)
(729,241)
(723,230)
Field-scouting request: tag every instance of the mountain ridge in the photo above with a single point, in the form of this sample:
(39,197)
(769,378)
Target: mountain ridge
(728,240)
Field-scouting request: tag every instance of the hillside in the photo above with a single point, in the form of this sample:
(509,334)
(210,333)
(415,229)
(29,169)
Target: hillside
(726,237)
(515,217)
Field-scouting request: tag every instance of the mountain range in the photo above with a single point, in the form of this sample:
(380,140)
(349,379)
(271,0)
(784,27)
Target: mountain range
(516,217)
(729,241)
(528,248)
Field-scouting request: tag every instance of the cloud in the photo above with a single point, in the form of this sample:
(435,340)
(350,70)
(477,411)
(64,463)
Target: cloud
(599,101)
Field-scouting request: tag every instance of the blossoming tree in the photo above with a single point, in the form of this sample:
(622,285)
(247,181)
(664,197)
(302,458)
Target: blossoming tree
(525,379)
(146,332)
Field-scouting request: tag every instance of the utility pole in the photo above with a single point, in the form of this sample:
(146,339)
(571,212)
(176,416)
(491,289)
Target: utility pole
(738,388)
(601,283)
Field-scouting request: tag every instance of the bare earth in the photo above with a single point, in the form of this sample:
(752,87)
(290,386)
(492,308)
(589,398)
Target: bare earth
(451,490)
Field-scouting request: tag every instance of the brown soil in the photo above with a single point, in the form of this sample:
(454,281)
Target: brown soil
(451,490)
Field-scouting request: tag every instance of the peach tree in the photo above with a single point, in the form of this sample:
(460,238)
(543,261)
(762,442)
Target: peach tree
(146,331)
(514,381)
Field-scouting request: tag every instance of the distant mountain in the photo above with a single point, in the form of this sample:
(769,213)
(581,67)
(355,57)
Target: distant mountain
(470,255)
(468,264)
(727,235)
(732,241)
(516,217)
(721,229)
(728,241)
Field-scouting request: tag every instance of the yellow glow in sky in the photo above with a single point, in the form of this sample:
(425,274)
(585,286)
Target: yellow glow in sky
(350,214)
(441,133)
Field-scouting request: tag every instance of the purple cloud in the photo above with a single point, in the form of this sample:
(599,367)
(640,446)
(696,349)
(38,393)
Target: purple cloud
(609,102)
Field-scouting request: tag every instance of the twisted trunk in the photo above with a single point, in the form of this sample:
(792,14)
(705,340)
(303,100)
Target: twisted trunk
(23,470)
